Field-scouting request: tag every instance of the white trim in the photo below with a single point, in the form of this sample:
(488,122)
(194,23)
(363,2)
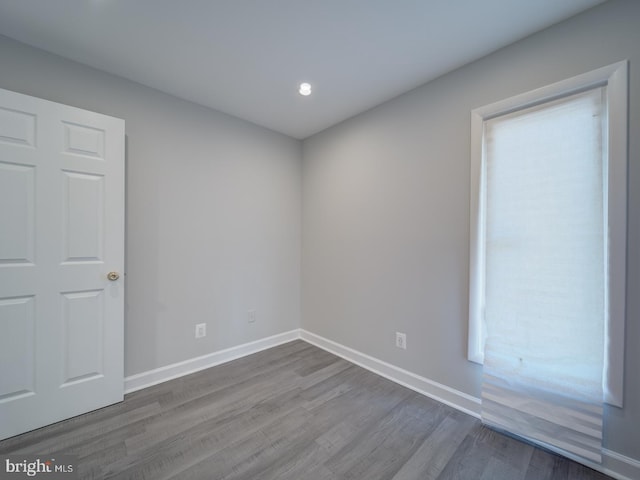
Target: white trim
(476,252)
(614,464)
(615,78)
(614,73)
(619,466)
(437,391)
(179,369)
(617,101)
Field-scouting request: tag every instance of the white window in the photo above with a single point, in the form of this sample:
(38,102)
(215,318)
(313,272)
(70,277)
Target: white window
(548,218)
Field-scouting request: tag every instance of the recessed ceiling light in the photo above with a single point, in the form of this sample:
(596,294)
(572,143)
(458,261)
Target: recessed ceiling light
(305,89)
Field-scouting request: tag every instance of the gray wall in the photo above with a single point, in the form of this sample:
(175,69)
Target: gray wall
(213,212)
(386,209)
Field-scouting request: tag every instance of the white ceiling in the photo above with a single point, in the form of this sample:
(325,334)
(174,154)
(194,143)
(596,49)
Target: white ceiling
(246,57)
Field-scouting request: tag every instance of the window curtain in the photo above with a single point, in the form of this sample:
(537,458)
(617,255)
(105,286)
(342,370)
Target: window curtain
(545,273)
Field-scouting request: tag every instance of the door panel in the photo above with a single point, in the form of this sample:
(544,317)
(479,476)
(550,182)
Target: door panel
(83,227)
(17,127)
(83,324)
(17,344)
(61,233)
(17,188)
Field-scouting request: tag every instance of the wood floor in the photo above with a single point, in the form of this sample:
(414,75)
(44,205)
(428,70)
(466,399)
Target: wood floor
(291,412)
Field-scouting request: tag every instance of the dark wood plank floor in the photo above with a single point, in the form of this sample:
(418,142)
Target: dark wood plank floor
(291,412)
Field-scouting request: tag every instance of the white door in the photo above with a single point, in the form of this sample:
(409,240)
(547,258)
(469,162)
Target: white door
(61,233)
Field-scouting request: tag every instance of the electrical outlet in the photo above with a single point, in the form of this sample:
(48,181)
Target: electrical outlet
(201,330)
(401,340)
(251,316)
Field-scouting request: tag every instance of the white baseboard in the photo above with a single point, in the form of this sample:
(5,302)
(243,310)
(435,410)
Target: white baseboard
(447,395)
(614,464)
(175,370)
(619,466)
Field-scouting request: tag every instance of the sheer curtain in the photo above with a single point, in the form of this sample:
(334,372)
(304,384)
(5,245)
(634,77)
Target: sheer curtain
(545,273)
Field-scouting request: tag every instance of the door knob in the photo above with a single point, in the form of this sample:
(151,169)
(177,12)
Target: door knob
(113,276)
